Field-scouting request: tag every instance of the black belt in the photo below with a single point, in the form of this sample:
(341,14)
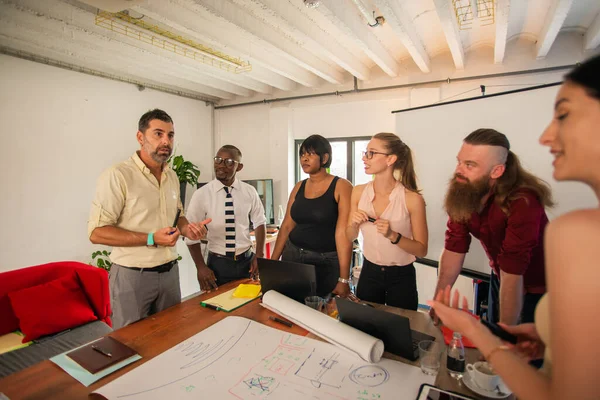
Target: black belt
(166,267)
(240,257)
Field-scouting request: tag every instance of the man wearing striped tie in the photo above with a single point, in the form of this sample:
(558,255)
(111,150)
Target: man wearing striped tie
(232,205)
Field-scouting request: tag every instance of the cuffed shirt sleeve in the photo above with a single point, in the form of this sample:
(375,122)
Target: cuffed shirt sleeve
(458,238)
(109,200)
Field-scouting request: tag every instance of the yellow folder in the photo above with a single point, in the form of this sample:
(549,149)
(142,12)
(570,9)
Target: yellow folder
(227,302)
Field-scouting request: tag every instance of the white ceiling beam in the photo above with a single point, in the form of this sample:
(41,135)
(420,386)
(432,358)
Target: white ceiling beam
(403,27)
(592,35)
(32,25)
(348,19)
(450,28)
(288,18)
(501,20)
(45,48)
(197,21)
(76,17)
(258,72)
(234,14)
(555,17)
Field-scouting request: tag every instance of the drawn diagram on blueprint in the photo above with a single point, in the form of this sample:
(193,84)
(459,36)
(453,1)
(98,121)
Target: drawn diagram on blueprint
(241,359)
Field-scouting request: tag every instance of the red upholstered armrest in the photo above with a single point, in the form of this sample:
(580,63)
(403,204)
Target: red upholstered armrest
(95,285)
(94,281)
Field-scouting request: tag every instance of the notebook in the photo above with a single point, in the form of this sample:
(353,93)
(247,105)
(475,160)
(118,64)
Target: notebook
(101,354)
(227,302)
(12,341)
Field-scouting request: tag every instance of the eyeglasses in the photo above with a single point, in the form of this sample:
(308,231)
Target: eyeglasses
(229,162)
(370,153)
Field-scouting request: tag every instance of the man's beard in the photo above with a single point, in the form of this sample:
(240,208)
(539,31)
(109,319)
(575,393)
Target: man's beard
(155,155)
(463,199)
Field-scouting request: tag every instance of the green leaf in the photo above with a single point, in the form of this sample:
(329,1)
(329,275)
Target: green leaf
(186,170)
(106,253)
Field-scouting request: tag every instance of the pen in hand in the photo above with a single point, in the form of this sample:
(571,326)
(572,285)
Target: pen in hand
(99,350)
(176,220)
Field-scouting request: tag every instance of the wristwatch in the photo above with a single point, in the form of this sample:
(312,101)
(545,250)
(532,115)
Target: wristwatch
(342,280)
(397,239)
(150,240)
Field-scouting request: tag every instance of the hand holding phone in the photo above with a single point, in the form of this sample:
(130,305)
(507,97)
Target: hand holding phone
(500,332)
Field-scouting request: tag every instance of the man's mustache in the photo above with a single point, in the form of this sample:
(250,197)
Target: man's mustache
(461,177)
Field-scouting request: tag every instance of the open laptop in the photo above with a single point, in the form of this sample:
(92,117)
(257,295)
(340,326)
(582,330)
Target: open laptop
(393,329)
(294,280)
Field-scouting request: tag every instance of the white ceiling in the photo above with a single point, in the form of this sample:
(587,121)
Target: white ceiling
(289,46)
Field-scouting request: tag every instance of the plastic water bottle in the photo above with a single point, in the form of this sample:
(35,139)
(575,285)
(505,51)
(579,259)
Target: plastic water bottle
(455,360)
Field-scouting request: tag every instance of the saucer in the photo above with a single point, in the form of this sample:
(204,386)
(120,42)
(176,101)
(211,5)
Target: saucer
(487,393)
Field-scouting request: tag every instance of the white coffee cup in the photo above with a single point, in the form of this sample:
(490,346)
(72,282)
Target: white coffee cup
(482,374)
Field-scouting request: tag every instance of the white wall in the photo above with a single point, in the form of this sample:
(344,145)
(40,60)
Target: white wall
(521,116)
(60,130)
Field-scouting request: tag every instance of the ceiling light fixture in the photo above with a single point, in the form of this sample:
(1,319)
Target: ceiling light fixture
(312,3)
(141,30)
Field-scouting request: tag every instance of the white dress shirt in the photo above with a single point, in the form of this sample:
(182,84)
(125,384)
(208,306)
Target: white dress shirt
(209,202)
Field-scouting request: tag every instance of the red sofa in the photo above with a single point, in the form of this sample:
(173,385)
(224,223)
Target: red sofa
(72,292)
(94,282)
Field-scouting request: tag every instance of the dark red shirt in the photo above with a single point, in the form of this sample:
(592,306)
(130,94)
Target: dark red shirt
(513,243)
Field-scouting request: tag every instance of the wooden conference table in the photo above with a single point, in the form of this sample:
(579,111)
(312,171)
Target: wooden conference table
(158,333)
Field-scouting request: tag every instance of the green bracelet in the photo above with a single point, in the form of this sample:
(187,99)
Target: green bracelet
(150,241)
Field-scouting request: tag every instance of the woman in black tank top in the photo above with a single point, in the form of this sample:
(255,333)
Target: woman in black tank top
(313,230)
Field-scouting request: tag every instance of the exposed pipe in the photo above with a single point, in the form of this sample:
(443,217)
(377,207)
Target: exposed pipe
(407,85)
(368,16)
(71,67)
(213,134)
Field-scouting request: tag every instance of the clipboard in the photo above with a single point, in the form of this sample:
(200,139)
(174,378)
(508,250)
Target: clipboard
(226,302)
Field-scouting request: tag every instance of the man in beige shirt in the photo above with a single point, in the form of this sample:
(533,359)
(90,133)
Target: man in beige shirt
(134,211)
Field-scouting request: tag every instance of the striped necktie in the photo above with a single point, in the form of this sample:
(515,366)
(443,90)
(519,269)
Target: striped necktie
(229,224)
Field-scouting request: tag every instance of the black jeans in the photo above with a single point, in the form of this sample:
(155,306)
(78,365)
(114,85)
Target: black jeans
(392,285)
(227,270)
(327,265)
(530,301)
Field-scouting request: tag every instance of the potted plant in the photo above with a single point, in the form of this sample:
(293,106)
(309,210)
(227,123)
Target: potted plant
(102,260)
(187,172)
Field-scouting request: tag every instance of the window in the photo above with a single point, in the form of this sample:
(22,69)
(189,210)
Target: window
(346,159)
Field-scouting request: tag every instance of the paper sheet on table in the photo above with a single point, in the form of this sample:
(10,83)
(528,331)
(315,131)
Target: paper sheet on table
(246,291)
(237,358)
(365,346)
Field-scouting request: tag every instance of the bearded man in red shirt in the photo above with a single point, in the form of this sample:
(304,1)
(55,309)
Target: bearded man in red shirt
(492,198)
